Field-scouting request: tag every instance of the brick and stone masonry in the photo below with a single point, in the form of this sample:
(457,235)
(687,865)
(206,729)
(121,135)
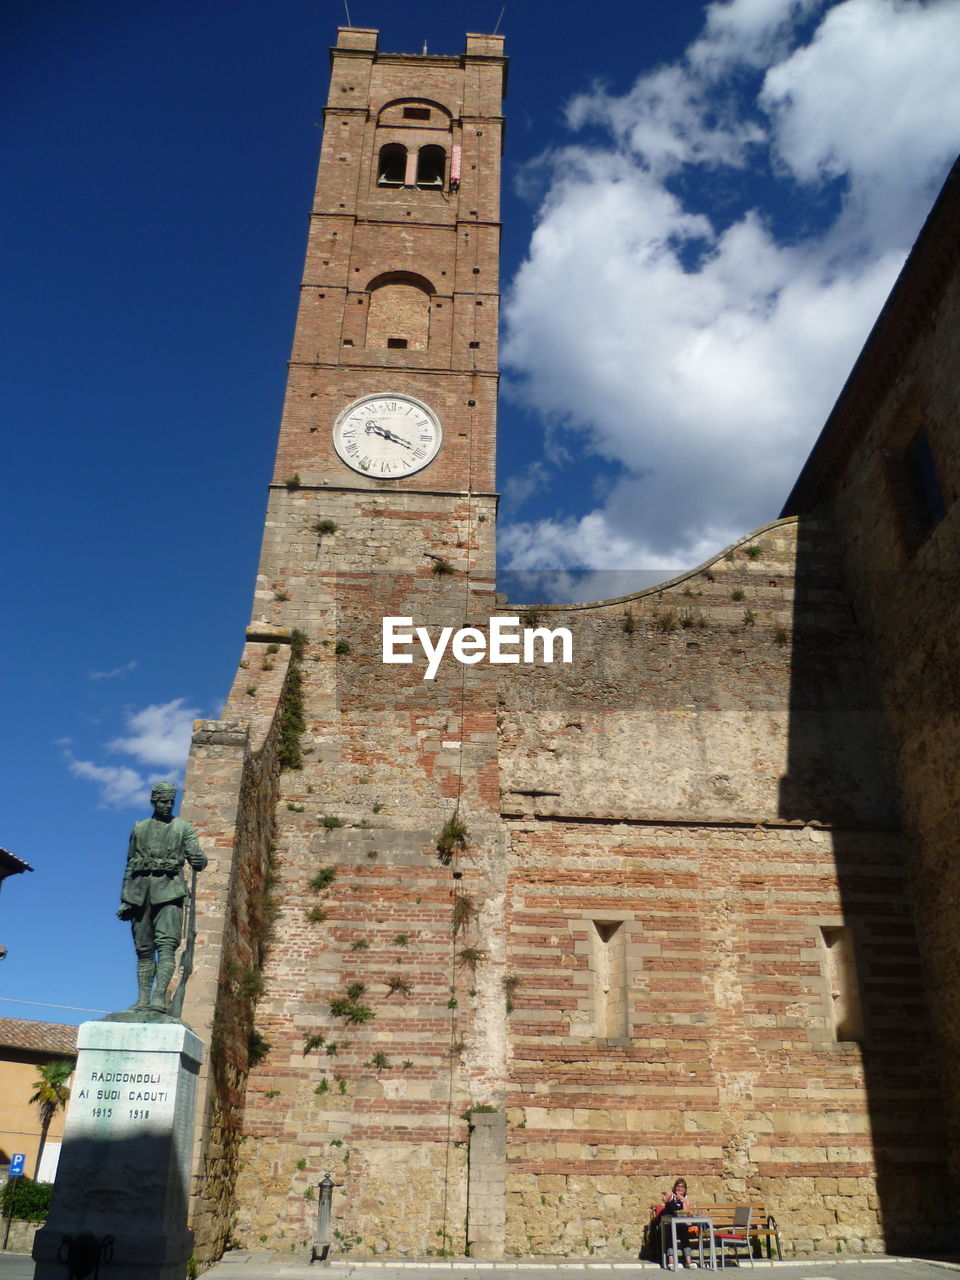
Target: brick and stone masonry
(507,951)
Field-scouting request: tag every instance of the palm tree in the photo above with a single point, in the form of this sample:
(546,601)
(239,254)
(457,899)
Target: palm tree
(51,1097)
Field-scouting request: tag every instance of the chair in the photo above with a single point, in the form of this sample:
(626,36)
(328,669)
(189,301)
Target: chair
(772,1233)
(736,1237)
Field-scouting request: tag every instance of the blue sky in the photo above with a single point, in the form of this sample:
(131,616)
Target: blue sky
(704,207)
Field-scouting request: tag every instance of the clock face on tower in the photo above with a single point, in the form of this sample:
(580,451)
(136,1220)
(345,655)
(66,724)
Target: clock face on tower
(387,436)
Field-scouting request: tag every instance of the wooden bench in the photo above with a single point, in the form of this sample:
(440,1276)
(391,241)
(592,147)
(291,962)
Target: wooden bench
(763,1225)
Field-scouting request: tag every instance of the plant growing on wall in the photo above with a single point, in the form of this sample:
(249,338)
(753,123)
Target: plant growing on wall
(258,1046)
(469,958)
(353,1013)
(349,1007)
(453,837)
(510,986)
(292,722)
(464,910)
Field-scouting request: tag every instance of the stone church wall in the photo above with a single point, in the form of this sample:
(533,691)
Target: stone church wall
(906,586)
(696,808)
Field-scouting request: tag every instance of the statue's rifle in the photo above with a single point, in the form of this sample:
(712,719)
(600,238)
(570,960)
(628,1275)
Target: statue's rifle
(175,1007)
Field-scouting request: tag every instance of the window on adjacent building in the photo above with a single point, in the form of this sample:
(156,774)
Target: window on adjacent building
(392,165)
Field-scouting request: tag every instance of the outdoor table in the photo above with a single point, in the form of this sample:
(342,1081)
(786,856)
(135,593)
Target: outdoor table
(689,1220)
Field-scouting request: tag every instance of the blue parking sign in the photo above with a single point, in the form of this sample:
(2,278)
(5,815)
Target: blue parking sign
(17,1162)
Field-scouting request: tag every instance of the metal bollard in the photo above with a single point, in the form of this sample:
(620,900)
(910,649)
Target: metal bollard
(321,1245)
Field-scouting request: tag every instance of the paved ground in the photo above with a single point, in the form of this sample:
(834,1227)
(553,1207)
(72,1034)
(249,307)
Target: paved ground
(259,1266)
(271,1266)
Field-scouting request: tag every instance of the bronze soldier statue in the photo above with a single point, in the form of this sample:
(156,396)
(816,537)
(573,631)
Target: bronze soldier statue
(153,893)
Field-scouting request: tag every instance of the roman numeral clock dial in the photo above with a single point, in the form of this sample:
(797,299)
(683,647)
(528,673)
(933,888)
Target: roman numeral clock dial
(387,436)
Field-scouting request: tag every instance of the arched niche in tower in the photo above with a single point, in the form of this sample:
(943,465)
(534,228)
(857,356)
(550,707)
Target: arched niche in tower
(412,142)
(414,113)
(391,165)
(431,166)
(398,317)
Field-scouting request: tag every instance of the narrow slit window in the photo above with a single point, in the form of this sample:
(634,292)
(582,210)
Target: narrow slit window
(610,979)
(416,113)
(431,166)
(397,344)
(392,165)
(921,474)
(916,489)
(843,984)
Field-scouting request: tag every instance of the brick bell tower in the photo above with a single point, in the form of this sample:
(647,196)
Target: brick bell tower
(349,972)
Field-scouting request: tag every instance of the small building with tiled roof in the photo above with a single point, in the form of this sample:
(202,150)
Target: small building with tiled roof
(11,865)
(25,1046)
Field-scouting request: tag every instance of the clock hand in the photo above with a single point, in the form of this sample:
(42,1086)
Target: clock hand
(387,435)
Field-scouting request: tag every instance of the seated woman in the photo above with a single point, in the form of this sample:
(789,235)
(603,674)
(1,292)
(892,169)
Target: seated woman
(674,1202)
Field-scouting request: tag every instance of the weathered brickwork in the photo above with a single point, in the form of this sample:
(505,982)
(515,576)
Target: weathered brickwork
(507,950)
(710,800)
(230,796)
(369,913)
(906,580)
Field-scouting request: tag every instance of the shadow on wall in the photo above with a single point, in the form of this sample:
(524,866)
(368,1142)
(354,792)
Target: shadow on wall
(837,778)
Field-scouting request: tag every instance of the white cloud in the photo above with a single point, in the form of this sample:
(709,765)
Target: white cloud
(522,485)
(120,787)
(702,357)
(158,738)
(159,735)
(114,672)
(667,120)
(747,31)
(874,96)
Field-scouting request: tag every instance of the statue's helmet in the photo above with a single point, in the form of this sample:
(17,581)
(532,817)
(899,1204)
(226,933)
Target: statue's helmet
(163,789)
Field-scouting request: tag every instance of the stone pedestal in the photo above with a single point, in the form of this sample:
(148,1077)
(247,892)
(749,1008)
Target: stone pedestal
(125,1162)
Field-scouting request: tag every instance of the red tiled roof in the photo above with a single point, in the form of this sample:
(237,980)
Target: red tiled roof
(47,1037)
